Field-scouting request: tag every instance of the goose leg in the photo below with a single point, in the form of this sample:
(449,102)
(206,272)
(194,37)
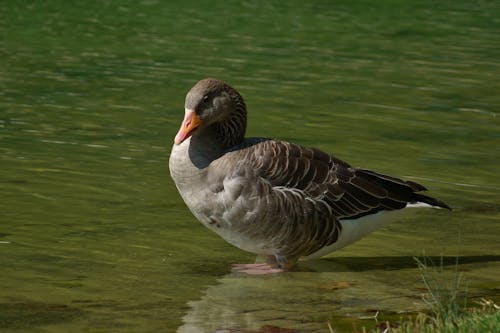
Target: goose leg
(274,264)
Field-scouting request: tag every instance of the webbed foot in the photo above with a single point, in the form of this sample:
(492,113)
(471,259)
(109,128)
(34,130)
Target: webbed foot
(257,269)
(274,264)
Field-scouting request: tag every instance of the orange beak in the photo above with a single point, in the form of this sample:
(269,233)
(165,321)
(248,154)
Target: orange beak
(189,124)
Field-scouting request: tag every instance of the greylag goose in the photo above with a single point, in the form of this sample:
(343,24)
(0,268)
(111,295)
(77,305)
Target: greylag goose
(271,197)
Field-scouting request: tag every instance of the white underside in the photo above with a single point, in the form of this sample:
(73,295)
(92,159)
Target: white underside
(353,230)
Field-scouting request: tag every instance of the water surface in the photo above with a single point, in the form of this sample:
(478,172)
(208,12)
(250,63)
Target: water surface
(93,235)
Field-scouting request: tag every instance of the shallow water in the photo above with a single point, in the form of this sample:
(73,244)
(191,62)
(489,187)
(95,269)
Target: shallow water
(94,237)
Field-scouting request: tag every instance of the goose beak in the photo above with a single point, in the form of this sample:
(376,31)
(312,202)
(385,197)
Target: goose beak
(189,124)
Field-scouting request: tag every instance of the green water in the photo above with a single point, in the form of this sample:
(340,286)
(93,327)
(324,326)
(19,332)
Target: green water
(93,235)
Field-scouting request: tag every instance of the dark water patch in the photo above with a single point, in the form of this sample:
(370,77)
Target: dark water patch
(486,208)
(31,314)
(361,264)
(92,303)
(206,267)
(14,181)
(413,33)
(67,284)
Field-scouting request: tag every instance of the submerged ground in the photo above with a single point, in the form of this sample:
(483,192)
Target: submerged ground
(93,235)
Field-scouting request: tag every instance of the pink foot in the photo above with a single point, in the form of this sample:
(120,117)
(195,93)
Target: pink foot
(256,269)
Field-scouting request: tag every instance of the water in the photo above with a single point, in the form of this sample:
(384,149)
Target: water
(94,237)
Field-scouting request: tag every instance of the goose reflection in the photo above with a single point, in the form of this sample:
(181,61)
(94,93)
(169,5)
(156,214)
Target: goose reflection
(300,301)
(339,290)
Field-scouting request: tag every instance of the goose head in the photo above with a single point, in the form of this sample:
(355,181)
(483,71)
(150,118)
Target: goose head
(212,104)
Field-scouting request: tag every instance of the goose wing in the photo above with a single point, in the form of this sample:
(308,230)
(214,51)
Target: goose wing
(349,192)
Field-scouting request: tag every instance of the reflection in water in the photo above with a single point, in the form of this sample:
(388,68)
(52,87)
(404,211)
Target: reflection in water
(305,300)
(251,303)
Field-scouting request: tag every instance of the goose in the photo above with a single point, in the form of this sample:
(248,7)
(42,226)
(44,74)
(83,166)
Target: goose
(274,198)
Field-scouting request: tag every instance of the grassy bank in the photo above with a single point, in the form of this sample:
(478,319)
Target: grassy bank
(448,308)
(477,320)
(449,311)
